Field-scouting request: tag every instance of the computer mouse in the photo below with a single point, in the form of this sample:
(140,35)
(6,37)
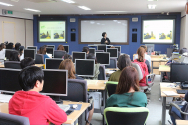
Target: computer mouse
(74,106)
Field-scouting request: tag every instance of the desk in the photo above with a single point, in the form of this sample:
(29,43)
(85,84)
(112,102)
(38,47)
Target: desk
(159,61)
(70,119)
(164,87)
(181,122)
(38,65)
(164,68)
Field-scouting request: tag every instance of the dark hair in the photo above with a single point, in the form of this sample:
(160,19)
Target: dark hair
(145,47)
(92,56)
(183,50)
(61,47)
(42,50)
(21,48)
(141,54)
(9,46)
(67,56)
(17,45)
(175,50)
(27,61)
(85,49)
(14,56)
(2,46)
(124,61)
(103,34)
(29,76)
(128,78)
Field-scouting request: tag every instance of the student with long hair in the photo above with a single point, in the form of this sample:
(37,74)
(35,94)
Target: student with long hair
(14,56)
(61,47)
(42,50)
(2,52)
(127,92)
(86,49)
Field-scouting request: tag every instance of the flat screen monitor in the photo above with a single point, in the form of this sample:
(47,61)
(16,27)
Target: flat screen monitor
(55,82)
(66,47)
(52,46)
(50,50)
(119,48)
(78,55)
(52,63)
(92,50)
(101,47)
(7,53)
(85,67)
(9,80)
(178,72)
(29,53)
(169,52)
(103,58)
(32,47)
(113,52)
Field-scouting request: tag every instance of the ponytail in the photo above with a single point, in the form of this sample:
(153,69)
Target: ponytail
(141,54)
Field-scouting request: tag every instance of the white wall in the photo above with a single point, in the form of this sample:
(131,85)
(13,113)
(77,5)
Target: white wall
(184,30)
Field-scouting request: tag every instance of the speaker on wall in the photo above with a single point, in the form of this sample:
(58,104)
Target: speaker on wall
(134,37)
(73,36)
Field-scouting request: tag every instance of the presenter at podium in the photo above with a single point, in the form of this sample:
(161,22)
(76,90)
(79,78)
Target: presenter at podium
(105,39)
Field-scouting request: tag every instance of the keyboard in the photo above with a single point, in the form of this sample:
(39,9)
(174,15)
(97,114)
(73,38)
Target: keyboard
(64,107)
(182,91)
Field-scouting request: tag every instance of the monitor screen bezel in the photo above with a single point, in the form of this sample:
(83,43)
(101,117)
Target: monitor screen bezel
(93,49)
(68,48)
(93,67)
(103,53)
(101,45)
(52,59)
(76,52)
(33,46)
(110,54)
(50,48)
(119,47)
(30,49)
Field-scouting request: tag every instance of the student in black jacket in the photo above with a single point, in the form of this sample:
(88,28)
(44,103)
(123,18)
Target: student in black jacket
(105,39)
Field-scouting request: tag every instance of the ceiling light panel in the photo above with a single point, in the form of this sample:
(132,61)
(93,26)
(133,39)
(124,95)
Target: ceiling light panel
(151,6)
(32,10)
(84,7)
(68,1)
(5,4)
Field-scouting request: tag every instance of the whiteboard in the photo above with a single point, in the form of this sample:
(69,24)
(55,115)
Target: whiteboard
(91,31)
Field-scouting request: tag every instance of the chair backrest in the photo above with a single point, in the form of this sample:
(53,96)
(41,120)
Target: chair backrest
(111,87)
(8,119)
(126,116)
(102,75)
(138,69)
(113,63)
(39,59)
(59,53)
(12,64)
(77,91)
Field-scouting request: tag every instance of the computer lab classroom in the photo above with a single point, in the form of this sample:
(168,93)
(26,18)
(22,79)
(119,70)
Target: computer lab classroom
(93,62)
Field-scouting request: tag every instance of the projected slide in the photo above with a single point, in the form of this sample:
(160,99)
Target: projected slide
(52,31)
(158,31)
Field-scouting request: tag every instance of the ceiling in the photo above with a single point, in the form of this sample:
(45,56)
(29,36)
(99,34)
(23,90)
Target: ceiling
(96,6)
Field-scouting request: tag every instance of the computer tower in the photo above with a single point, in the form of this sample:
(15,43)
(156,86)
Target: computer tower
(97,97)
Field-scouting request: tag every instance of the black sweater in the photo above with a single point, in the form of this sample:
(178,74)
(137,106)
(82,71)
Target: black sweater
(103,41)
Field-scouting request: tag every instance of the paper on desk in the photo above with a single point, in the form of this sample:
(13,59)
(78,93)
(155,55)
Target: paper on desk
(110,72)
(5,98)
(92,81)
(170,93)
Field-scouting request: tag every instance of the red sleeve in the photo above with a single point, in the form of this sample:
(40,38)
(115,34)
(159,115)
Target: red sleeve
(55,114)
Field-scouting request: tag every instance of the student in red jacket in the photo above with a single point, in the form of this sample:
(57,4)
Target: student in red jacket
(40,109)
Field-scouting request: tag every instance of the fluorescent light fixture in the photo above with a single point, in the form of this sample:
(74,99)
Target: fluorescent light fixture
(151,6)
(84,7)
(32,10)
(115,20)
(68,1)
(5,4)
(98,23)
(118,22)
(92,22)
(152,0)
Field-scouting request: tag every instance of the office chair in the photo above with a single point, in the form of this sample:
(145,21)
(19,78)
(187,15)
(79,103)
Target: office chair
(102,75)
(113,63)
(39,59)
(126,116)
(99,50)
(59,53)
(8,119)
(12,64)
(111,87)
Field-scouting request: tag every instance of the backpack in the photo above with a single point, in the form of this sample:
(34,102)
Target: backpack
(144,70)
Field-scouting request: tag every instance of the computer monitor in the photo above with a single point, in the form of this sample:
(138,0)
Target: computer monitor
(66,47)
(103,58)
(169,52)
(92,50)
(85,67)
(55,82)
(9,80)
(52,46)
(29,53)
(52,63)
(101,47)
(7,53)
(78,55)
(119,48)
(113,52)
(32,47)
(50,50)
(178,72)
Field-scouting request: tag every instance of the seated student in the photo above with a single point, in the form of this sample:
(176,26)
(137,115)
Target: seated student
(183,51)
(67,64)
(67,56)
(42,50)
(27,61)
(14,56)
(147,57)
(127,92)
(21,48)
(40,109)
(17,45)
(2,52)
(60,47)
(123,61)
(86,49)
(96,70)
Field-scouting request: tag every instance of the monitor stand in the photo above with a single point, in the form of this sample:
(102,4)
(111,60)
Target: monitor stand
(57,99)
(184,85)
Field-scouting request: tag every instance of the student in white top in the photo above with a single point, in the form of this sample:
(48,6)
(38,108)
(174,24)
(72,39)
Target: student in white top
(147,57)
(2,52)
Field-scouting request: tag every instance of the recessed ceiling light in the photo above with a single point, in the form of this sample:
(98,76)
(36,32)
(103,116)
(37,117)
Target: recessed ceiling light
(68,1)
(5,4)
(32,10)
(152,0)
(118,22)
(84,7)
(115,20)
(151,6)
